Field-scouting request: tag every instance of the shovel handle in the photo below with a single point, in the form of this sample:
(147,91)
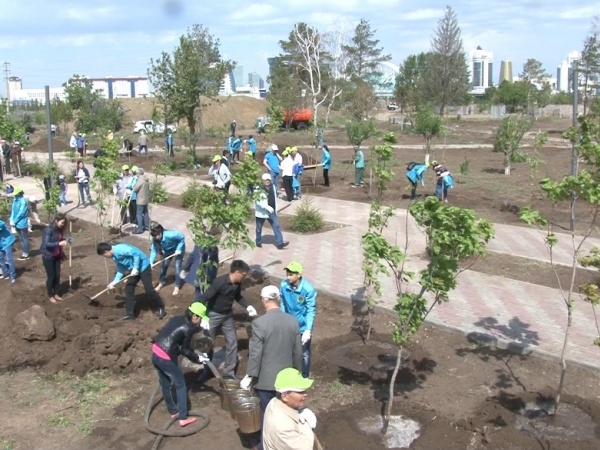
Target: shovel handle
(129,276)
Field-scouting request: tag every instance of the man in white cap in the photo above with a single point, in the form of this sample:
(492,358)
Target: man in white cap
(271,162)
(275,345)
(266,209)
(288,424)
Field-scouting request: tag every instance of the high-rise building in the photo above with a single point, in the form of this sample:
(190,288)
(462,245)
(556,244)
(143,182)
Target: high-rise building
(506,73)
(255,80)
(564,72)
(238,75)
(481,76)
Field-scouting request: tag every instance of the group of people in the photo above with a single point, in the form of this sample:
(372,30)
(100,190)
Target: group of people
(132,188)
(78,142)
(12,159)
(443,178)
(289,166)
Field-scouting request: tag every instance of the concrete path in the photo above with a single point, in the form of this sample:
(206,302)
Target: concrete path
(508,311)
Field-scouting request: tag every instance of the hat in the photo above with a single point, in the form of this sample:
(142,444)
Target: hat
(199,309)
(291,380)
(285,152)
(125,167)
(134,169)
(18,190)
(61,177)
(294,266)
(274,148)
(270,292)
(216,158)
(266,176)
(293,149)
(16,142)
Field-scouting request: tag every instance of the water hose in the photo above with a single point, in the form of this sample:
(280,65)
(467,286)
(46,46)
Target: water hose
(199,425)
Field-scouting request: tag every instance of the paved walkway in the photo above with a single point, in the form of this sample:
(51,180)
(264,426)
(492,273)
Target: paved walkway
(509,311)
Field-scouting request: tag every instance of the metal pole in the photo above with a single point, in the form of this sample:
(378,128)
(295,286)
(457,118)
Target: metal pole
(49,131)
(574,153)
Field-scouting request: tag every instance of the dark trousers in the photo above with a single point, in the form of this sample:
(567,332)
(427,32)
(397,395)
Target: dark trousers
(287,185)
(146,277)
(169,372)
(7,165)
(326,177)
(265,397)
(52,266)
(413,191)
(133,212)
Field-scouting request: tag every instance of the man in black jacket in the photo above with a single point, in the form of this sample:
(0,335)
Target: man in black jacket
(219,298)
(174,339)
(6,154)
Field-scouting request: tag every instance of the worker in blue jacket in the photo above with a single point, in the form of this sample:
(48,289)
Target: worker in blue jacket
(326,161)
(414,173)
(131,259)
(251,143)
(7,263)
(236,147)
(18,219)
(299,298)
(206,259)
(167,243)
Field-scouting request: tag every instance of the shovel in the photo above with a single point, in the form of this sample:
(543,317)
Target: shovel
(92,300)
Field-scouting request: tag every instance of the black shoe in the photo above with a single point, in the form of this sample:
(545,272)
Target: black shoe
(137,232)
(161,313)
(284,245)
(204,376)
(259,245)
(232,376)
(127,317)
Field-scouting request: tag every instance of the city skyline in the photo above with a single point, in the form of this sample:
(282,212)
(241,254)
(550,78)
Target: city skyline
(48,43)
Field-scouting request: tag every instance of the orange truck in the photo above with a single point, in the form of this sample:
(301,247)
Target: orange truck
(299,119)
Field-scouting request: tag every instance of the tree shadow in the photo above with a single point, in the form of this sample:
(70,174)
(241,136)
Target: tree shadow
(515,330)
(494,170)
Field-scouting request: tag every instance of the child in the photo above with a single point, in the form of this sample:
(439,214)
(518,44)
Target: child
(62,183)
(7,263)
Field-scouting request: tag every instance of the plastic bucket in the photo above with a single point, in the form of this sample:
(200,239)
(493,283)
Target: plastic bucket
(233,396)
(247,411)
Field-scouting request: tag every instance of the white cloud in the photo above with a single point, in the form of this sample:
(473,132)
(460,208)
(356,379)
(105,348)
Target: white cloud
(422,14)
(252,12)
(584,12)
(90,14)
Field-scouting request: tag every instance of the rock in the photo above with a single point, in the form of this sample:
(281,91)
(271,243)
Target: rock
(124,360)
(66,331)
(83,341)
(34,325)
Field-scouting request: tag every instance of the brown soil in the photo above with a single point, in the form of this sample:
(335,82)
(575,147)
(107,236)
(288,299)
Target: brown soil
(463,394)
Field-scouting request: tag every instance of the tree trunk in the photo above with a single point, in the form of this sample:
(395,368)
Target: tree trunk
(506,164)
(563,361)
(386,420)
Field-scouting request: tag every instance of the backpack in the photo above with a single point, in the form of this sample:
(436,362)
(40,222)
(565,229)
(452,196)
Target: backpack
(410,166)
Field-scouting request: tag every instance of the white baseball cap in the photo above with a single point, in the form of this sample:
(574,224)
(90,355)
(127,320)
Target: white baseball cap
(274,148)
(271,292)
(266,176)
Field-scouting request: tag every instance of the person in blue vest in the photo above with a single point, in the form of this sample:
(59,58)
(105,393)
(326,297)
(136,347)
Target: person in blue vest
(129,258)
(359,167)
(169,143)
(414,173)
(229,148)
(236,147)
(206,259)
(326,161)
(80,141)
(132,195)
(19,216)
(7,262)
(251,146)
(167,243)
(299,298)
(271,162)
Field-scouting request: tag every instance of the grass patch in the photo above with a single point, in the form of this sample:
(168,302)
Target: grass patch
(7,445)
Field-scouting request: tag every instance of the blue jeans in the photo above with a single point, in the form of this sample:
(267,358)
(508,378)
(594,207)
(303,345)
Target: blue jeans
(7,263)
(63,198)
(165,267)
(274,180)
(439,189)
(306,359)
(274,224)
(84,187)
(24,236)
(143,217)
(169,372)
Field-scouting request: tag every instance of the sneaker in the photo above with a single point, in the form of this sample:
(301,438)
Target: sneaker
(284,245)
(127,317)
(158,287)
(354,185)
(13,281)
(175,291)
(2,277)
(23,258)
(259,245)
(161,313)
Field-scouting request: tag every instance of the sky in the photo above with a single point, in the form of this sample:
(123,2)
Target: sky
(47,41)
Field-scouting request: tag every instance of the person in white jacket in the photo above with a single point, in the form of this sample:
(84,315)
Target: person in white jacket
(266,209)
(220,173)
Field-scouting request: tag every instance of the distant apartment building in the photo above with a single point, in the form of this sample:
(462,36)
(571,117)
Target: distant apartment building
(481,76)
(506,72)
(17,95)
(255,80)
(121,87)
(238,75)
(564,72)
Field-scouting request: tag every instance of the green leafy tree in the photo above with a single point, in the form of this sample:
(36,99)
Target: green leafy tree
(408,91)
(508,138)
(589,64)
(181,80)
(103,181)
(447,77)
(533,72)
(359,131)
(10,128)
(584,187)
(285,91)
(429,125)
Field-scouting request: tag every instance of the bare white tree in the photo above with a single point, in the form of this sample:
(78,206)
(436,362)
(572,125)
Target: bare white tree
(334,43)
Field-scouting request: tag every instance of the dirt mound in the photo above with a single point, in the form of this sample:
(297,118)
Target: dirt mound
(58,145)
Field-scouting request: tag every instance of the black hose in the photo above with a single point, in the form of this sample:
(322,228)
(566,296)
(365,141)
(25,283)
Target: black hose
(164,431)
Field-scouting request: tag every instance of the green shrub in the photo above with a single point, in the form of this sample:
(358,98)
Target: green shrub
(308,218)
(190,195)
(34,168)
(70,154)
(158,193)
(465,166)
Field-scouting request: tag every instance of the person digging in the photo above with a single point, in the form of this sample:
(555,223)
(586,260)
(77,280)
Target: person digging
(131,259)
(167,243)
